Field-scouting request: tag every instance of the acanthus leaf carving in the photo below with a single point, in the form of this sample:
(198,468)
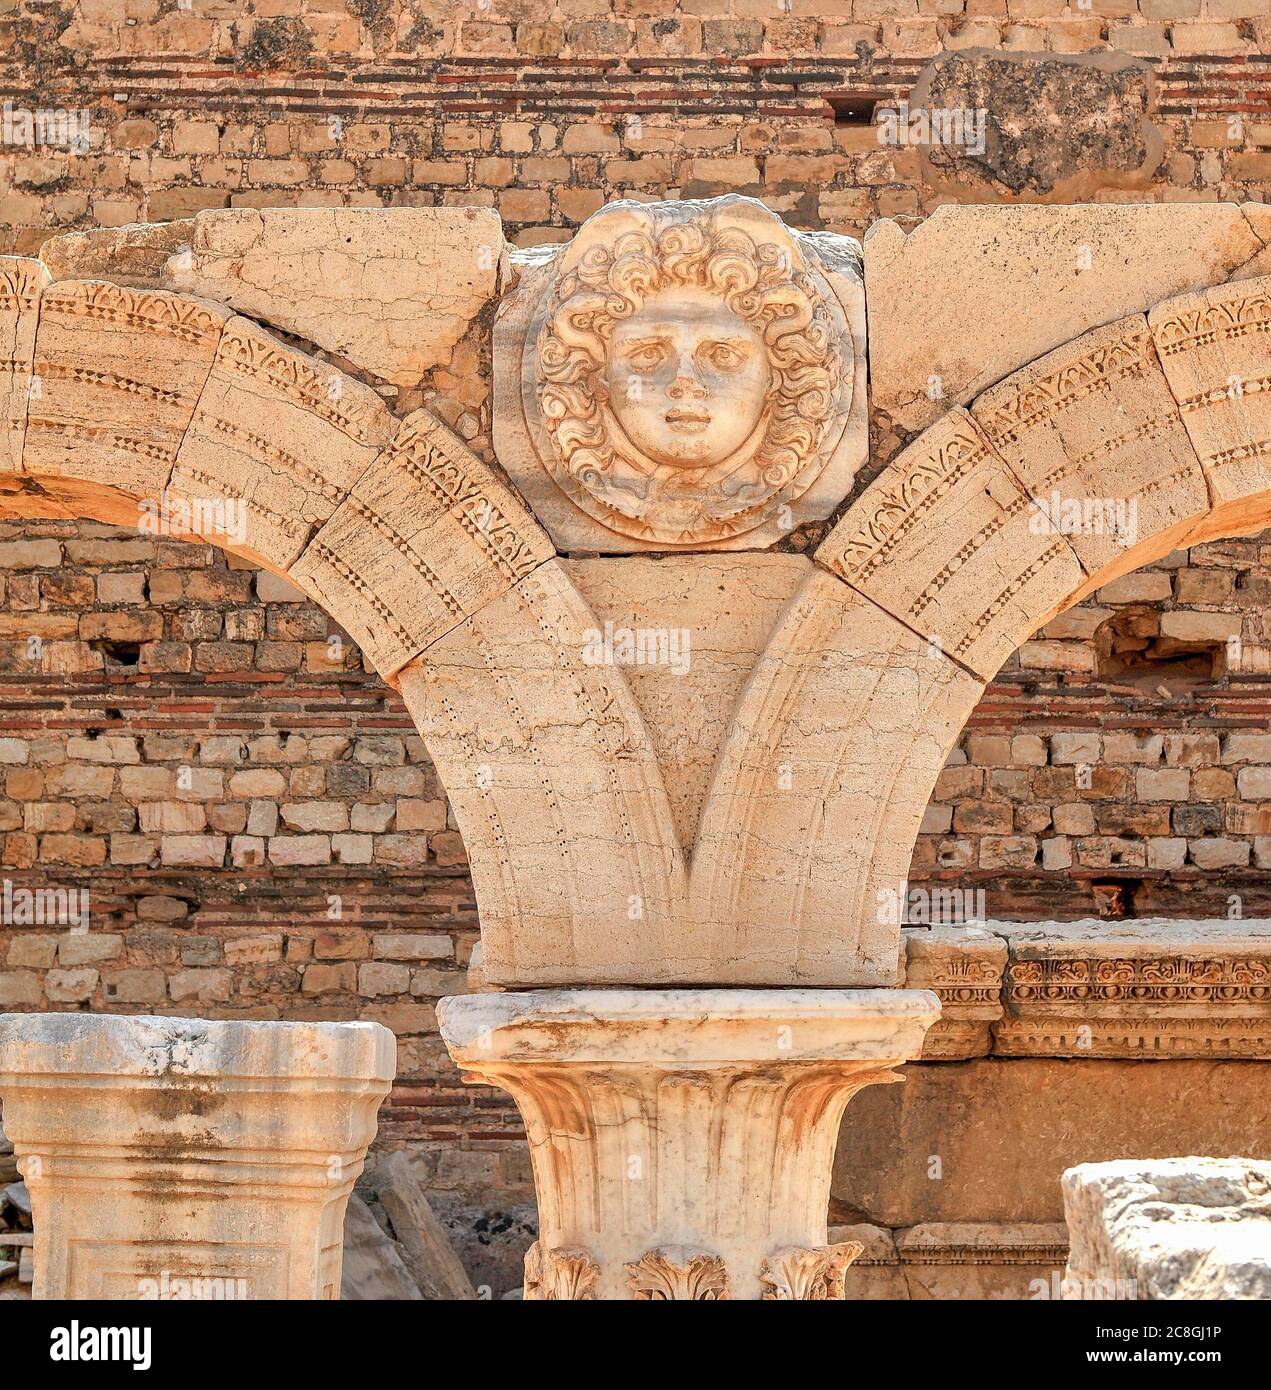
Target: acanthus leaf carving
(674,1273)
(560,1274)
(796,1274)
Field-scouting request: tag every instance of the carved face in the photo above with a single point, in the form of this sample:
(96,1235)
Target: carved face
(688,379)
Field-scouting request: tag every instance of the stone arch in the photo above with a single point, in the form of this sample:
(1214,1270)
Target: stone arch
(126,403)
(1170,409)
(116,396)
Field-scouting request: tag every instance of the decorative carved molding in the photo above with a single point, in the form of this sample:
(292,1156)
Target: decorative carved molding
(795,1274)
(677,1135)
(559,1274)
(674,1274)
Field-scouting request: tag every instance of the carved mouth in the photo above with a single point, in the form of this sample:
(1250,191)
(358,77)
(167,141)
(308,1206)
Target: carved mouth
(690,421)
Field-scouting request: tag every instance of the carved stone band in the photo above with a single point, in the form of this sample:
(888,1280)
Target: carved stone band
(178,1158)
(682,1139)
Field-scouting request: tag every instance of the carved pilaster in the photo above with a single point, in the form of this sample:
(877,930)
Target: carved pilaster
(682,1140)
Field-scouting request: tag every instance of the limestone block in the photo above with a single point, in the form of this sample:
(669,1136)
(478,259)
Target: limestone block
(165,1150)
(557,792)
(988,1139)
(1094,434)
(390,289)
(943,540)
(983,1260)
(373,1267)
(683,375)
(1146,988)
(131,255)
(821,785)
(1215,347)
(1171,1228)
(975,292)
(687,632)
(21,282)
(963,967)
(426,537)
(875,1273)
(281,437)
(120,372)
(426,1248)
(681,1140)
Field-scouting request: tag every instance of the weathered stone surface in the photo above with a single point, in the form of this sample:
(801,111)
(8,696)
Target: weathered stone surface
(1215,347)
(427,537)
(21,282)
(129,255)
(279,436)
(979,1260)
(802,837)
(1173,1228)
(976,292)
(683,374)
(120,373)
(557,792)
(130,1132)
(374,1268)
(426,1248)
(681,1139)
(963,967)
(1058,126)
(942,539)
(686,632)
(1093,432)
(987,1140)
(1140,988)
(390,289)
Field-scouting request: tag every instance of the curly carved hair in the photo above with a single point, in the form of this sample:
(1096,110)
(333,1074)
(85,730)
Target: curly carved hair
(757,280)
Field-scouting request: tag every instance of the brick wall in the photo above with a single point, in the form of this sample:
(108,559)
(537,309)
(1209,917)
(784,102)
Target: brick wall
(545,110)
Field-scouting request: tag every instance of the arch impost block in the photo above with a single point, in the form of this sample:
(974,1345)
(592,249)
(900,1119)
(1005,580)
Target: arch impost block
(164,1150)
(682,1140)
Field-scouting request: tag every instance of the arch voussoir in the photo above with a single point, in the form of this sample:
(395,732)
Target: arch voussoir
(116,380)
(1094,435)
(941,540)
(426,537)
(22,281)
(1215,348)
(280,434)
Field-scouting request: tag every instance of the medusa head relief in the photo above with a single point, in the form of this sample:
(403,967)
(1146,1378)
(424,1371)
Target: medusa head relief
(687,376)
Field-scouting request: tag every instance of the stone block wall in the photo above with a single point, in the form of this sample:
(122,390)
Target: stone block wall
(547,109)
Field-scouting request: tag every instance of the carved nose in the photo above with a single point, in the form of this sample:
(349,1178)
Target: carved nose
(685,385)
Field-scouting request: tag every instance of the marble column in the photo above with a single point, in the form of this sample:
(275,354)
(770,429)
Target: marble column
(682,1140)
(178,1158)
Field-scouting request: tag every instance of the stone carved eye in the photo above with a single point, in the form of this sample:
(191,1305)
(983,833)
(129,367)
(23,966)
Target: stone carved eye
(723,356)
(646,357)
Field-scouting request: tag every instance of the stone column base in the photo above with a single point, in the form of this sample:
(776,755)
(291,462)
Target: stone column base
(682,1140)
(176,1158)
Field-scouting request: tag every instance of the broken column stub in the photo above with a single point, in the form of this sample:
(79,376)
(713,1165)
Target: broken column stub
(682,1140)
(179,1158)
